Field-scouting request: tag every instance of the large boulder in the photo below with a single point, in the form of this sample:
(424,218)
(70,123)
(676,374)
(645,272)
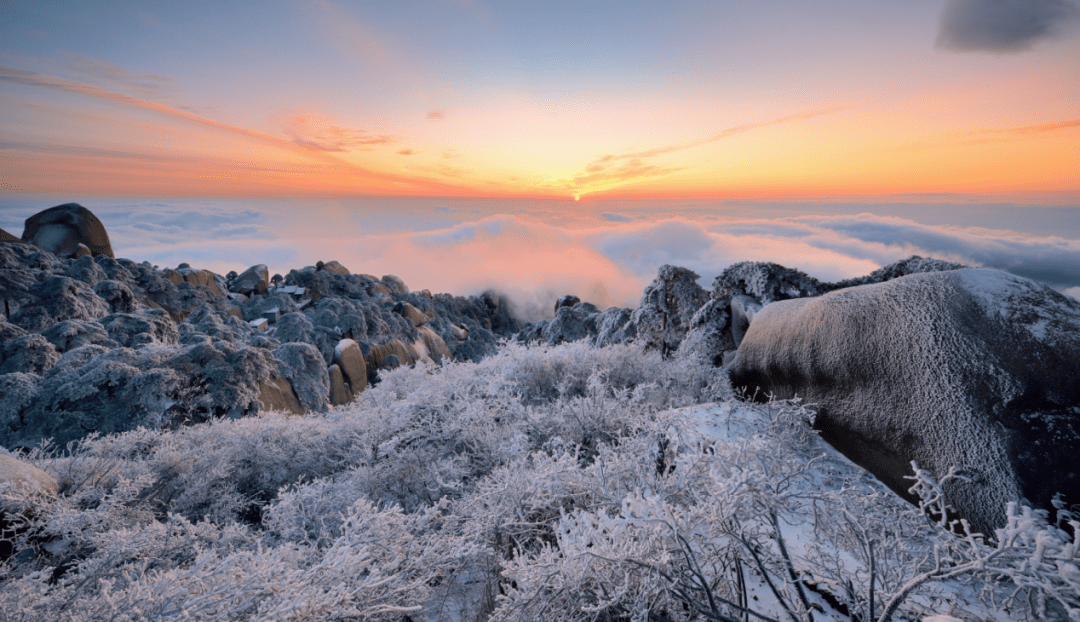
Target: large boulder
(254,280)
(62,229)
(973,369)
(349,358)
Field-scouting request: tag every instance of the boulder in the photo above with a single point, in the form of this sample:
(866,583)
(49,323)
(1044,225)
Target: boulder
(7,237)
(395,284)
(411,313)
(743,309)
(254,280)
(973,369)
(60,230)
(430,346)
(22,478)
(350,359)
(200,278)
(277,393)
(339,392)
(333,267)
(305,369)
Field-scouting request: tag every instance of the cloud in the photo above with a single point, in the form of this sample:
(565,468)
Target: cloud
(1072,291)
(625,167)
(1038,128)
(534,261)
(1002,25)
(436,115)
(144,84)
(406,152)
(615,217)
(312,130)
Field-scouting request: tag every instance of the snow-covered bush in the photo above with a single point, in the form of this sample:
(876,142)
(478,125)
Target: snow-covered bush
(554,483)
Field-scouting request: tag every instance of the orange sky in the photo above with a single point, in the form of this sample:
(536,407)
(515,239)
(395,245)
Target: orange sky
(841,100)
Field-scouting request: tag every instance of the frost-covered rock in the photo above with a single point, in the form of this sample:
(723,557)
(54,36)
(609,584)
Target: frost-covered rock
(395,284)
(568,300)
(107,390)
(974,369)
(60,230)
(254,280)
(303,366)
(667,306)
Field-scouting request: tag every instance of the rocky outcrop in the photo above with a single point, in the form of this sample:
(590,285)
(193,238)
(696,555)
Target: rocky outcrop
(349,358)
(254,280)
(974,369)
(62,229)
(107,345)
(9,238)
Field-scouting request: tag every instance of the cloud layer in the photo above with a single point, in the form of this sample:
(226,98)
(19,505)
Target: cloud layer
(606,258)
(1002,25)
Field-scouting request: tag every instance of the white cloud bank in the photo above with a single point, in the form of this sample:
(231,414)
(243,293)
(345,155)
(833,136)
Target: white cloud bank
(533,256)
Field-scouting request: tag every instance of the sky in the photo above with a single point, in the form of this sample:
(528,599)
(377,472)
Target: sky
(545,148)
(589,98)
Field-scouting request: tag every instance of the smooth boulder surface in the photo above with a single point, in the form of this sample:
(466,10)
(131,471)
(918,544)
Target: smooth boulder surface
(62,229)
(974,369)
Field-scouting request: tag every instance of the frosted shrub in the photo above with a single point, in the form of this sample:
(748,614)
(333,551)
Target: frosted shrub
(553,483)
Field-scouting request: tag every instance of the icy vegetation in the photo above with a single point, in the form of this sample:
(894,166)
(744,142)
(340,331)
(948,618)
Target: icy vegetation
(568,482)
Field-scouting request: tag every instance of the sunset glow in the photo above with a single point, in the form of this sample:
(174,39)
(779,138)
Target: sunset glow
(558,100)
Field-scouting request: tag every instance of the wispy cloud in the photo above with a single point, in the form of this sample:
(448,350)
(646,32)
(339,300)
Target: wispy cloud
(31,78)
(145,84)
(312,130)
(436,115)
(1002,25)
(1037,128)
(625,167)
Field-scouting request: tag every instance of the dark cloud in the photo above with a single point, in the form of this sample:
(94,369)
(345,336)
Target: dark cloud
(1002,25)
(615,217)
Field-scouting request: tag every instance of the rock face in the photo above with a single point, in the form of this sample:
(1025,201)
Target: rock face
(974,369)
(350,359)
(254,280)
(16,475)
(60,230)
(7,237)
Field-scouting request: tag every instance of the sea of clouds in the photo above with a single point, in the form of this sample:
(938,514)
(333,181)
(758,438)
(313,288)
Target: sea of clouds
(535,251)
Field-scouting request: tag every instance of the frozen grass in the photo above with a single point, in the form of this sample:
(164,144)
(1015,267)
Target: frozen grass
(562,483)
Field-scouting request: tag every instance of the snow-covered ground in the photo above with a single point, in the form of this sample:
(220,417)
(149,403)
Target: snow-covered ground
(543,483)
